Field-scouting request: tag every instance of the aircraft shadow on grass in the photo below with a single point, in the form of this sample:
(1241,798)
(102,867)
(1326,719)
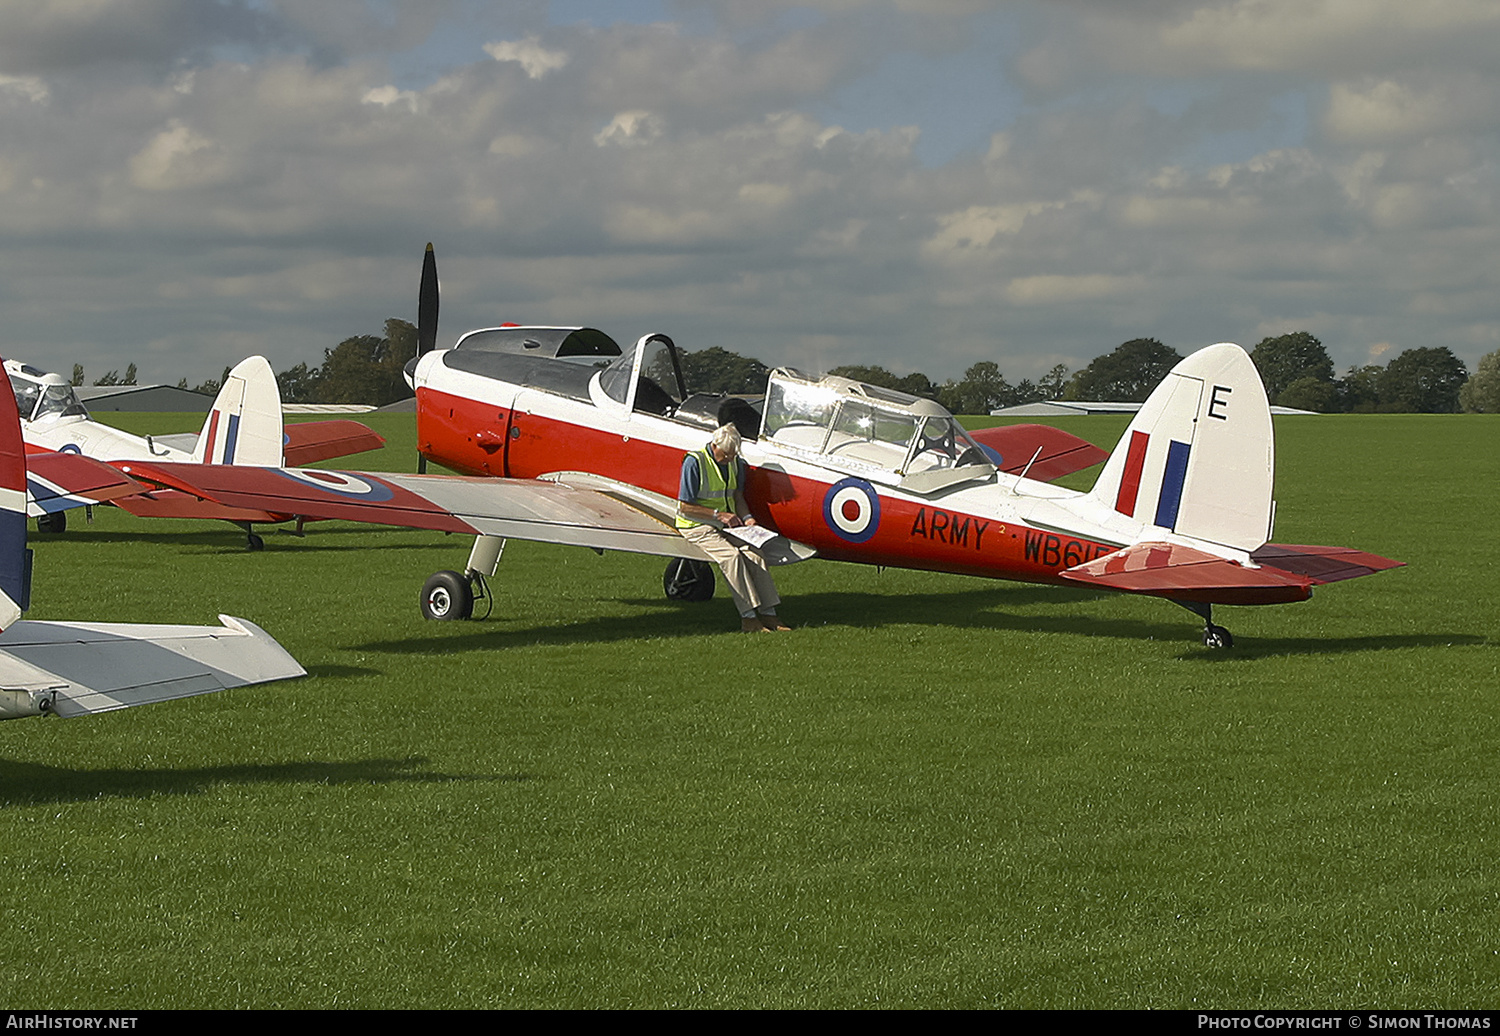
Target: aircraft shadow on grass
(981,609)
(1249,648)
(32,784)
(991,608)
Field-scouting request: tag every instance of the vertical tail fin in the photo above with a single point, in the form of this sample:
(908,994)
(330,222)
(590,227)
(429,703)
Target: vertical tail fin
(15,559)
(1199,458)
(244,425)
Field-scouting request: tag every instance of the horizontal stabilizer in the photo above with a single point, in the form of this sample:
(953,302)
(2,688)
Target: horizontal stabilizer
(80,668)
(1186,573)
(1322,564)
(307,442)
(1015,445)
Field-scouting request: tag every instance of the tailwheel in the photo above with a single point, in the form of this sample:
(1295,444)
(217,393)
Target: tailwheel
(1217,637)
(1213,636)
(447,596)
(688,580)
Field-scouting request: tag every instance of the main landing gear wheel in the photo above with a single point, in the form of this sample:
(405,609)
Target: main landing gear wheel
(55,522)
(447,596)
(688,580)
(253,542)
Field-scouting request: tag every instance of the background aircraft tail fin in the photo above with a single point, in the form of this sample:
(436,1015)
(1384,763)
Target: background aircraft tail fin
(244,425)
(15,558)
(1199,458)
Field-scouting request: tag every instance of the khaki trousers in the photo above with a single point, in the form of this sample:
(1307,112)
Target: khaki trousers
(744,570)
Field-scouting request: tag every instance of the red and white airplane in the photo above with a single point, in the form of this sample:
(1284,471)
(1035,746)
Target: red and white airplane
(79,668)
(244,426)
(566,438)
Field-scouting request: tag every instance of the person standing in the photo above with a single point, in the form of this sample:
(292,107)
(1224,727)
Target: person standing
(710,498)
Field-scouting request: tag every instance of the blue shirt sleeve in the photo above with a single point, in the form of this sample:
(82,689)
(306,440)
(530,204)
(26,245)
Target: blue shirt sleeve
(691,481)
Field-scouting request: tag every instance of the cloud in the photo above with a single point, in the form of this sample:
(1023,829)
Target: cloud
(1384,111)
(177,157)
(57,36)
(529,54)
(630,129)
(278,169)
(30,88)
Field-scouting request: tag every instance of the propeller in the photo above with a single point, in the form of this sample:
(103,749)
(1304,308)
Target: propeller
(427,321)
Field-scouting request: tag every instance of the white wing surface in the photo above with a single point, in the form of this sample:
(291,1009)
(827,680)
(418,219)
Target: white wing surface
(79,668)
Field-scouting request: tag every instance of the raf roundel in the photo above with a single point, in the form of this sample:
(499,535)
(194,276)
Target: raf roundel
(852,509)
(339,483)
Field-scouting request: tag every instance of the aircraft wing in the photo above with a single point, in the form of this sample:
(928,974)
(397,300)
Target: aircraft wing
(1014,446)
(525,509)
(1172,570)
(60,481)
(307,442)
(79,668)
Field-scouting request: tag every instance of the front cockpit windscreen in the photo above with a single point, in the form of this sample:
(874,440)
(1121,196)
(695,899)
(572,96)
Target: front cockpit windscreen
(660,388)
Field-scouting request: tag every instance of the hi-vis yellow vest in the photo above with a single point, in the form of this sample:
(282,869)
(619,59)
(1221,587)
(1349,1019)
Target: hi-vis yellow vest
(715,490)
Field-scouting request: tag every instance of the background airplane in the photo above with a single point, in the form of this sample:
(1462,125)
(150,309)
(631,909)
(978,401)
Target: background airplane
(561,449)
(79,668)
(243,427)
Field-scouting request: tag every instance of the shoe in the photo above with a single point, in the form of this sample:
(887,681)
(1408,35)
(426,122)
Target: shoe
(771,624)
(754,626)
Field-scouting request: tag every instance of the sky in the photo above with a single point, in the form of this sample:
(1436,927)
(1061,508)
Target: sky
(920,184)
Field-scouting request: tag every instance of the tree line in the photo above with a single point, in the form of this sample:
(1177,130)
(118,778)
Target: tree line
(1296,369)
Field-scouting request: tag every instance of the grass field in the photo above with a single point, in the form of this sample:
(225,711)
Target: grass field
(937,791)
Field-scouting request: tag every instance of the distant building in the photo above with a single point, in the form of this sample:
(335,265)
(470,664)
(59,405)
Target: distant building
(152,398)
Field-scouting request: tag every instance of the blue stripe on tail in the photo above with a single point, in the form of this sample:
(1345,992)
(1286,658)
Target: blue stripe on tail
(230,438)
(1172,480)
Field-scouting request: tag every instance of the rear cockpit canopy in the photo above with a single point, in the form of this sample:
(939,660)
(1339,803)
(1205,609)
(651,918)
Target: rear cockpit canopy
(885,435)
(554,343)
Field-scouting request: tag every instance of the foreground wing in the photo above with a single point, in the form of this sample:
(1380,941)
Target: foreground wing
(79,668)
(524,509)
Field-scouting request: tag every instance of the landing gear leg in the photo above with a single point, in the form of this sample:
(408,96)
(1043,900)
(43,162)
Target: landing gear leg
(449,595)
(1213,636)
(253,542)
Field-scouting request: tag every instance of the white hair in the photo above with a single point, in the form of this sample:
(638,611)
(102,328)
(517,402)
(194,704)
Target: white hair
(727,439)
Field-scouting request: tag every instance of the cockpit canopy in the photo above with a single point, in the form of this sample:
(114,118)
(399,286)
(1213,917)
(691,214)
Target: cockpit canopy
(552,342)
(42,395)
(885,435)
(647,378)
